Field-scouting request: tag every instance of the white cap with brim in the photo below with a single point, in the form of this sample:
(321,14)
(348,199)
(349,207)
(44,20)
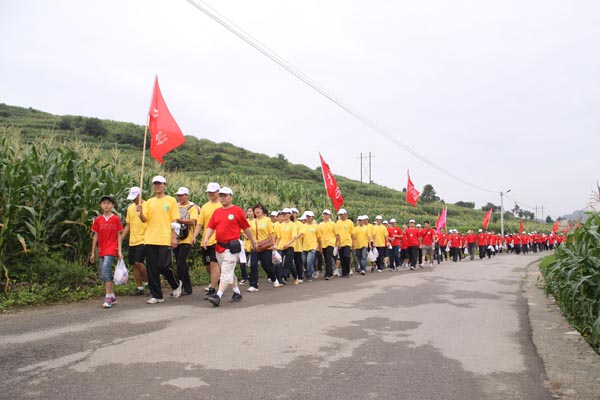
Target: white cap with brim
(286,211)
(159,178)
(226,190)
(274,213)
(379,217)
(342,211)
(309,213)
(393,220)
(294,210)
(326,211)
(182,190)
(213,187)
(134,192)
(385,221)
(412,221)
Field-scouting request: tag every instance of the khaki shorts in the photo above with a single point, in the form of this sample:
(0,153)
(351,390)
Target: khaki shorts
(427,250)
(227,263)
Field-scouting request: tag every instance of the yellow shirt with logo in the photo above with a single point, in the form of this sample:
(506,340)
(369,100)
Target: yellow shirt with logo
(206,213)
(284,232)
(160,213)
(247,242)
(381,233)
(310,236)
(297,245)
(345,230)
(265,228)
(361,236)
(328,232)
(193,212)
(137,228)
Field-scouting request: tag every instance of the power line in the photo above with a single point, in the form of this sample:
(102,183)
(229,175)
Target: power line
(239,32)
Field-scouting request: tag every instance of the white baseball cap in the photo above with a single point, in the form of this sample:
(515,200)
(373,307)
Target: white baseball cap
(379,217)
(274,213)
(183,190)
(134,192)
(286,211)
(326,211)
(159,178)
(393,220)
(213,187)
(342,211)
(226,190)
(302,217)
(309,213)
(294,210)
(385,221)
(412,221)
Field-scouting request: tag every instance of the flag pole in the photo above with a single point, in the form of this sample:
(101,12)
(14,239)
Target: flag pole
(144,151)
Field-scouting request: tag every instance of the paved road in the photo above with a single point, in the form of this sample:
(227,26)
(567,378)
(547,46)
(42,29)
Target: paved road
(458,331)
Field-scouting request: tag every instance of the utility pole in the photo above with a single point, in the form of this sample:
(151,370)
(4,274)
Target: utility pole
(502,212)
(368,166)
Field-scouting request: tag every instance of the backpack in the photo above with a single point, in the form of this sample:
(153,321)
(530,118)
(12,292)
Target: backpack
(184,229)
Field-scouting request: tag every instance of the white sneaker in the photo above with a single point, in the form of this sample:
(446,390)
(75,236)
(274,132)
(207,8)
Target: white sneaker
(277,284)
(300,280)
(206,289)
(336,272)
(242,282)
(154,301)
(316,275)
(177,292)
(252,289)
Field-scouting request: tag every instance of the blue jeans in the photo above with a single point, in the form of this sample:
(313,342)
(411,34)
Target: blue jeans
(395,257)
(308,257)
(361,255)
(105,268)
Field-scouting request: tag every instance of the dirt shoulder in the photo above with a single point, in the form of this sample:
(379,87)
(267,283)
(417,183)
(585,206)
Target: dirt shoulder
(572,367)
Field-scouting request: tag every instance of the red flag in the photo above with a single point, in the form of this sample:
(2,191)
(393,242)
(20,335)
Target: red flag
(486,218)
(333,190)
(442,220)
(521,228)
(165,133)
(412,194)
(555,227)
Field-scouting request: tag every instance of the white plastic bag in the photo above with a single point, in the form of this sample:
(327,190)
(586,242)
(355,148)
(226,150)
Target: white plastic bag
(466,251)
(243,259)
(371,256)
(335,251)
(276,257)
(121,273)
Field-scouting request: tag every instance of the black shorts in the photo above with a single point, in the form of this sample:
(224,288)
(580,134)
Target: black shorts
(137,254)
(209,255)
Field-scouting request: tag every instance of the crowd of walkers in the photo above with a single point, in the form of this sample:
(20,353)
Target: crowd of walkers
(291,248)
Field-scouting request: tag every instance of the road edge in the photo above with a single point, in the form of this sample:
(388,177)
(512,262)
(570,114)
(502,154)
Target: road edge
(570,363)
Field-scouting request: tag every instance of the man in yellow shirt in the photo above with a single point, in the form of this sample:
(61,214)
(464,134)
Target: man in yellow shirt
(380,238)
(298,246)
(209,255)
(361,242)
(285,234)
(188,215)
(159,213)
(328,231)
(345,237)
(310,242)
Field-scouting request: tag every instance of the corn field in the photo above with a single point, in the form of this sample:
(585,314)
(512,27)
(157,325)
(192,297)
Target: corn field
(573,278)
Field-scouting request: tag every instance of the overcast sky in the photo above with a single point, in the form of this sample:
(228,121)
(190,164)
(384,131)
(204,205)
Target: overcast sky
(503,94)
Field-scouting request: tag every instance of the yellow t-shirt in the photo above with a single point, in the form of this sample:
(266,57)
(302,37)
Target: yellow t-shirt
(361,236)
(285,232)
(265,228)
(297,245)
(371,232)
(310,236)
(345,230)
(193,211)
(328,232)
(381,233)
(206,213)
(160,213)
(137,228)
(247,242)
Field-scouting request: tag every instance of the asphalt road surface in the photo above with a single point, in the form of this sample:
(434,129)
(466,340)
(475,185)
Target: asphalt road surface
(457,331)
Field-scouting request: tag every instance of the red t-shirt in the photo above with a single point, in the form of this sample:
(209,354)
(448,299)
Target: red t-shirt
(426,236)
(412,237)
(107,230)
(471,238)
(443,239)
(227,223)
(455,240)
(392,232)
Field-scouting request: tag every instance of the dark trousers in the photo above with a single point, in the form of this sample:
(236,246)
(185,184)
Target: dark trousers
(319,261)
(328,256)
(482,252)
(413,252)
(380,257)
(288,263)
(345,255)
(182,253)
(264,257)
(299,264)
(159,260)
(472,250)
(395,257)
(455,252)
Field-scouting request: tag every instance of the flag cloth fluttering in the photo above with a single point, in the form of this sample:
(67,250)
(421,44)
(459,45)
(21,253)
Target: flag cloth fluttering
(439,224)
(412,194)
(333,190)
(521,228)
(165,134)
(486,218)
(555,227)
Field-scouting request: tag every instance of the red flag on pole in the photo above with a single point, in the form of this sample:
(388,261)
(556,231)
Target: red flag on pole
(521,228)
(165,133)
(412,194)
(555,227)
(333,190)
(486,218)
(442,220)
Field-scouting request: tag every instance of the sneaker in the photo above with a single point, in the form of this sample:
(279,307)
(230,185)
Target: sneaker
(300,280)
(215,300)
(108,302)
(316,275)
(421,266)
(211,292)
(154,300)
(277,284)
(411,267)
(296,282)
(252,289)
(242,282)
(378,270)
(237,297)
(206,289)
(336,272)
(138,292)
(362,272)
(177,292)
(327,278)
(351,272)
(309,280)
(269,280)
